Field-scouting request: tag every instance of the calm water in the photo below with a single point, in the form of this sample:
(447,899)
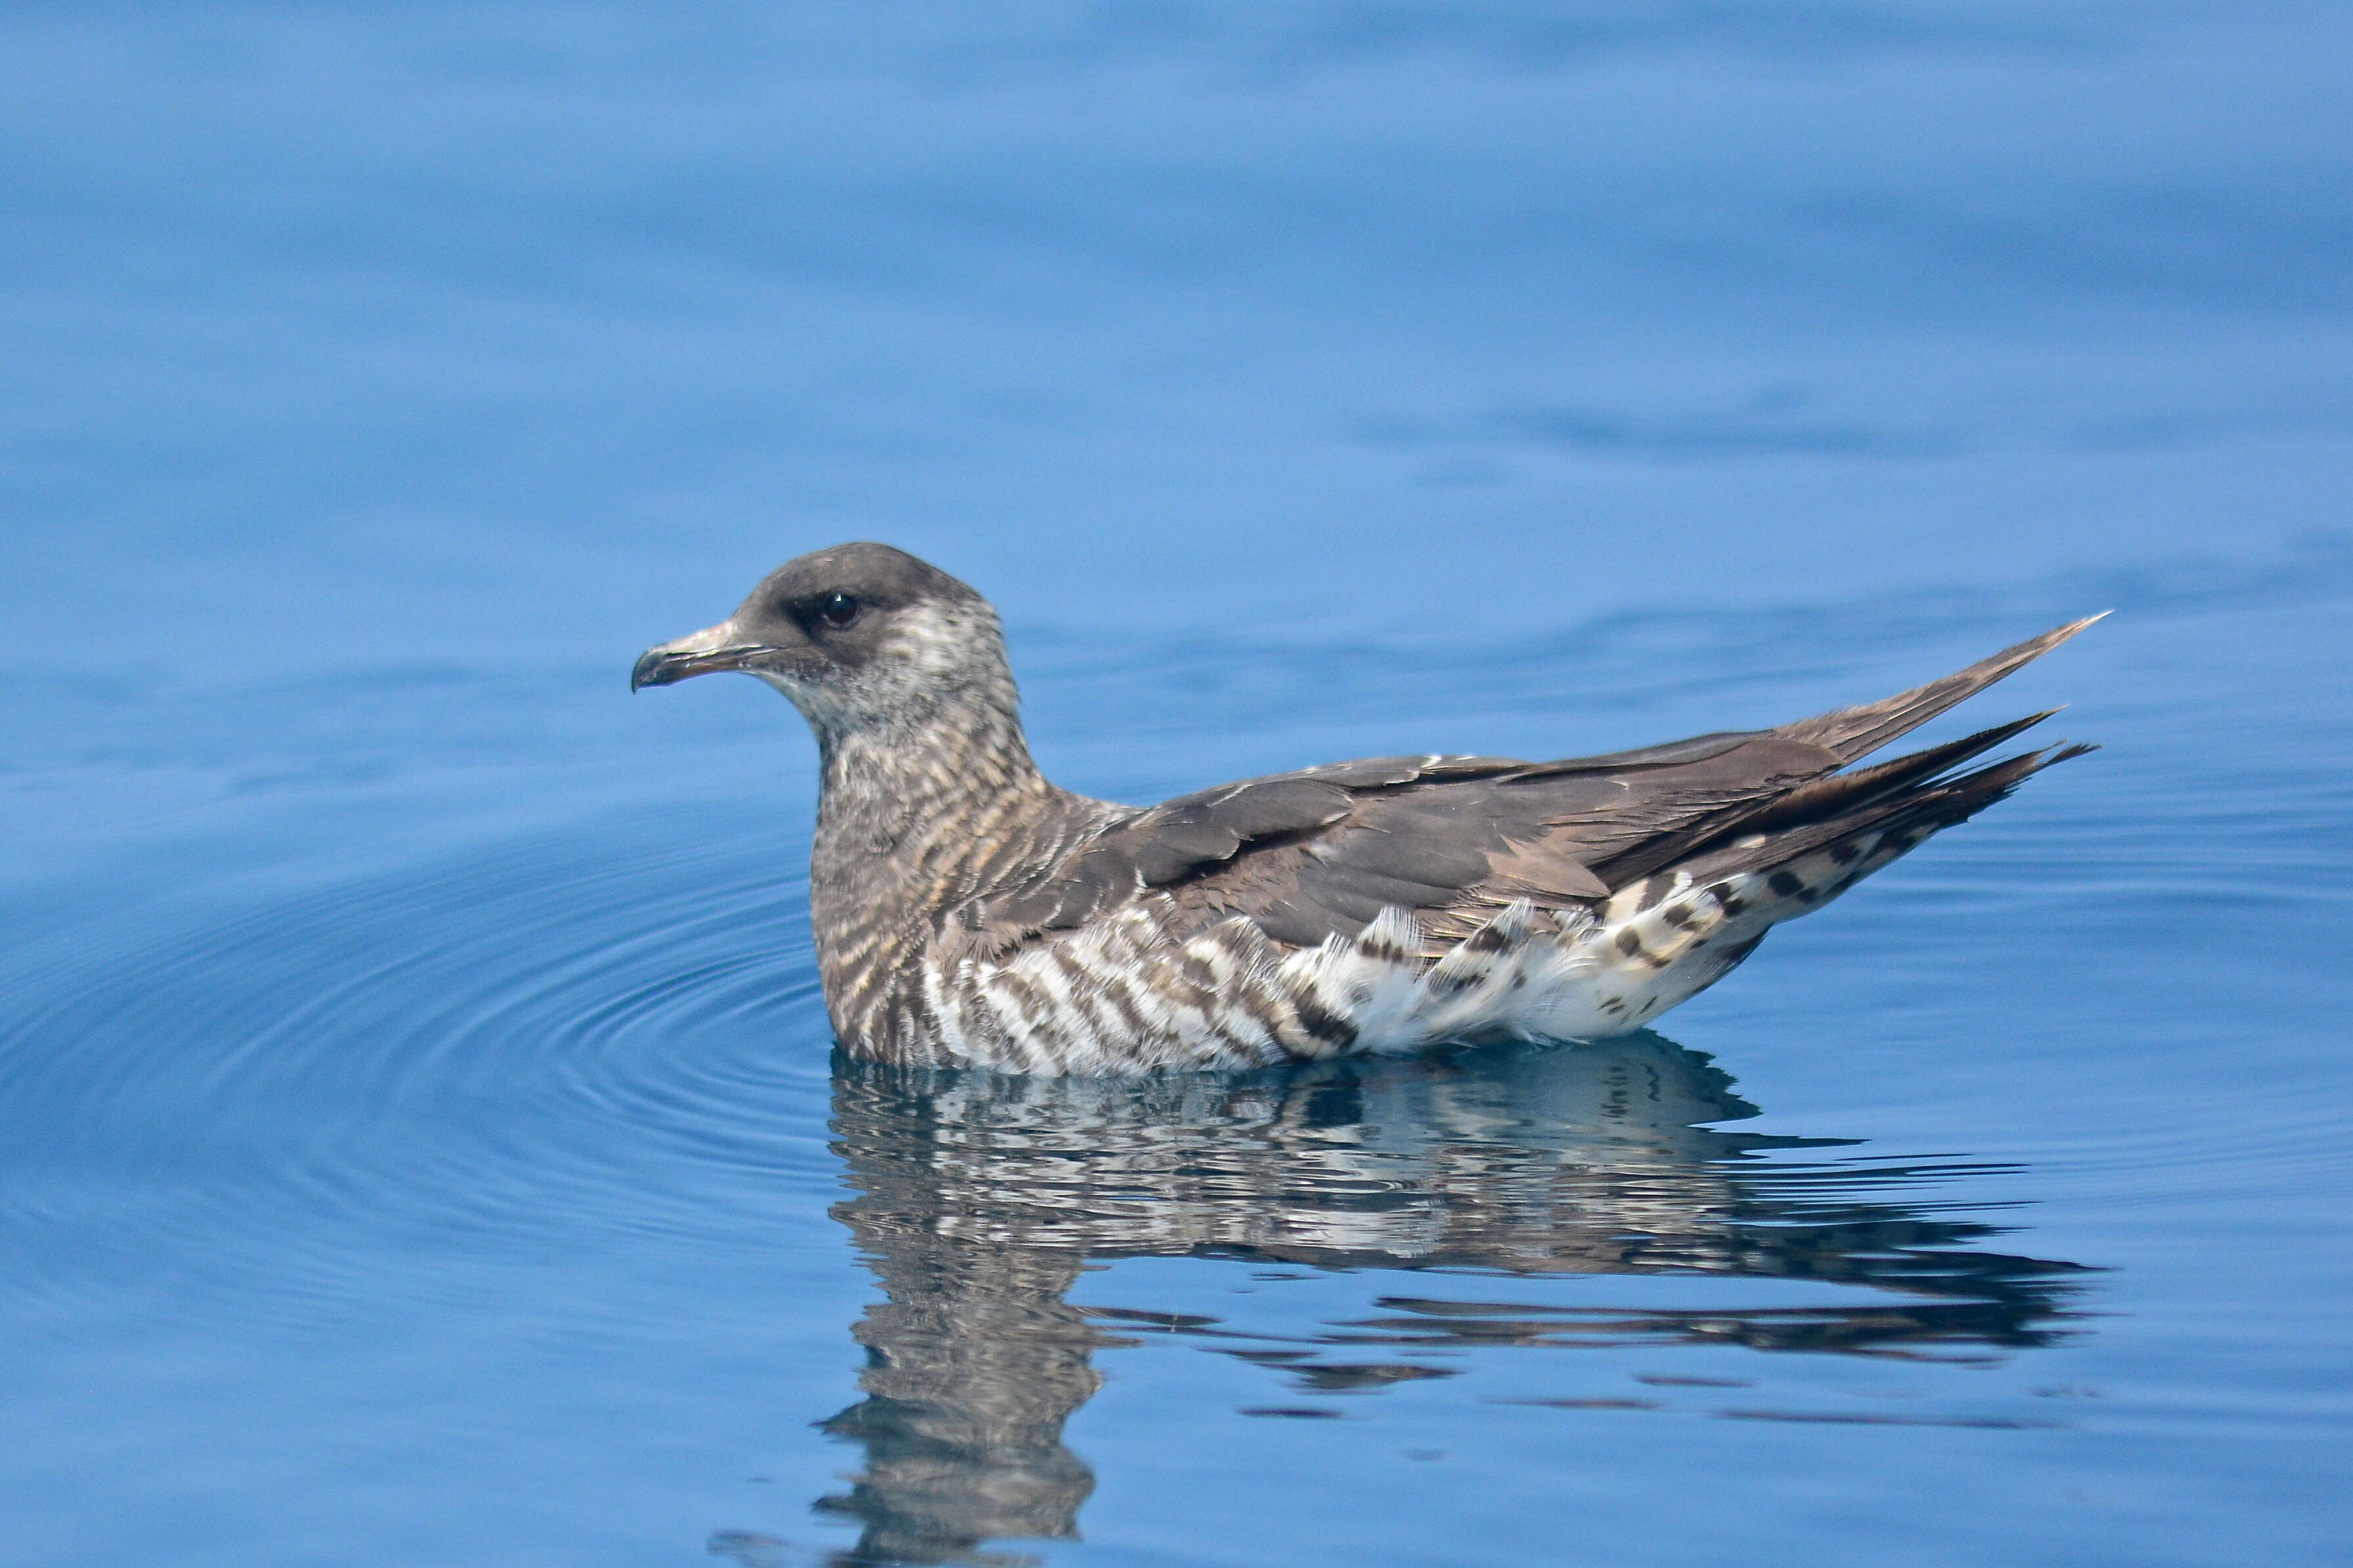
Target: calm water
(419,1139)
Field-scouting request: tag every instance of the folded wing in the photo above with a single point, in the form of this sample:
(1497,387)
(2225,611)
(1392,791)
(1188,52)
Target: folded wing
(1321,852)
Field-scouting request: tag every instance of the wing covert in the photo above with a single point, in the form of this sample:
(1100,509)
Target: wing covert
(1323,851)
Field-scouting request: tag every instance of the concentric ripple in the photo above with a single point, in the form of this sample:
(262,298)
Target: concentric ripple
(614,1027)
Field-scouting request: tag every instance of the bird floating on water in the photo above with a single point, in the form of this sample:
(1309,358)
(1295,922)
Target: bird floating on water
(970,913)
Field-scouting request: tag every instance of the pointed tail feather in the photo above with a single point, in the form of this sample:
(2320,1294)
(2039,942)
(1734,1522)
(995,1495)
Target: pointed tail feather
(1838,793)
(1831,795)
(1853,732)
(1915,813)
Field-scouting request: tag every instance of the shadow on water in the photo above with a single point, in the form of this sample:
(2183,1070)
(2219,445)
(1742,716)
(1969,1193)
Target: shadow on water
(980,1199)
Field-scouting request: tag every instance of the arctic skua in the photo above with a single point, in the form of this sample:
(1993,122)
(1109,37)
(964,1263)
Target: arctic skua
(968,912)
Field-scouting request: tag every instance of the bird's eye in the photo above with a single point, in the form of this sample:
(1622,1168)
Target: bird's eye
(836,609)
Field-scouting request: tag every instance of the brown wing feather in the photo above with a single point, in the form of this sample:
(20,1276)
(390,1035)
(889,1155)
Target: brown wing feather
(1321,852)
(1455,849)
(1179,840)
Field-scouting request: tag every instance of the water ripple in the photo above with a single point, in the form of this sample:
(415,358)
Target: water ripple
(609,1030)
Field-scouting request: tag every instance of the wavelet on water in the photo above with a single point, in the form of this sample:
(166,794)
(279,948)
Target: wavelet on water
(969,912)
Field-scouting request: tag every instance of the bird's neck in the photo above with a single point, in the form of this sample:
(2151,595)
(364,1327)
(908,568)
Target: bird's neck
(886,791)
(914,821)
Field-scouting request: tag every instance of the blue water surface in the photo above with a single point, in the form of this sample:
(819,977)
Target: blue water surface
(420,1141)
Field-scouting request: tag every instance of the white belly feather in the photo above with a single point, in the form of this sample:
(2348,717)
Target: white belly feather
(1122,996)
(1527,976)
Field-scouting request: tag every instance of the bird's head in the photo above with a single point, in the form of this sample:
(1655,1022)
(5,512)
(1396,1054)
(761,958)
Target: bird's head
(860,637)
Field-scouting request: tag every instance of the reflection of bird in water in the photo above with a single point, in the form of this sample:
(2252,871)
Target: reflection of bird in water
(980,1197)
(969,912)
